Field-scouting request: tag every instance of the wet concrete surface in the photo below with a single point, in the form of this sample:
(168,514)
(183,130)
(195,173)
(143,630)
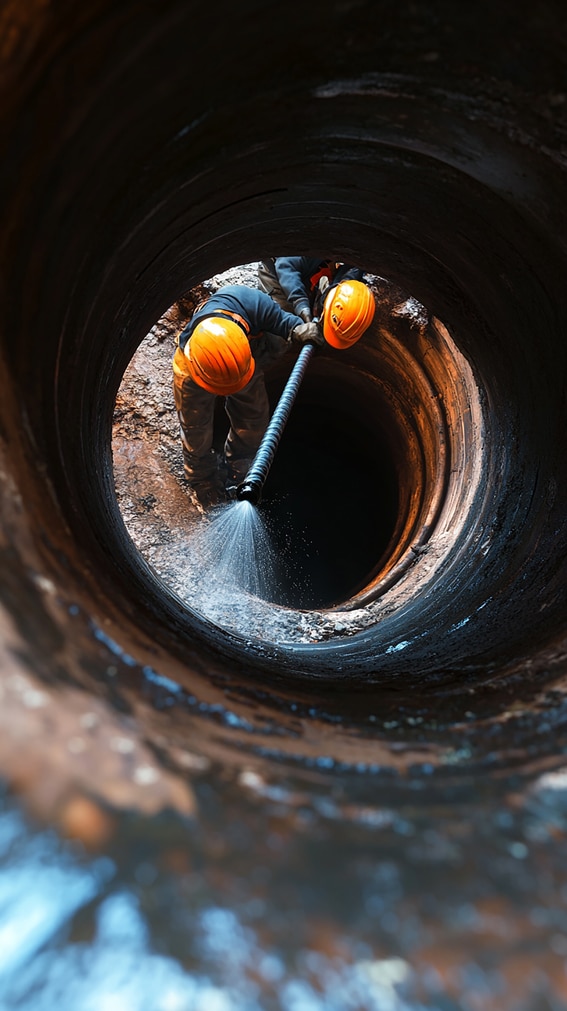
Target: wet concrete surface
(187,824)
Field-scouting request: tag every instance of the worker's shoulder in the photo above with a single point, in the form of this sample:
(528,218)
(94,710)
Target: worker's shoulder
(240,298)
(240,291)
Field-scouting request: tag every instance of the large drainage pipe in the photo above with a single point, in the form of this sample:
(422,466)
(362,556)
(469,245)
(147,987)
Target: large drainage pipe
(117,196)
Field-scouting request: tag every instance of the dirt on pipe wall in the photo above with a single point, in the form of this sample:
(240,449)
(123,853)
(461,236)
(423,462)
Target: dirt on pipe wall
(146,148)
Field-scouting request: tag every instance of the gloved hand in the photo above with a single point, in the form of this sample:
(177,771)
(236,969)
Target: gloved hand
(306,315)
(308,332)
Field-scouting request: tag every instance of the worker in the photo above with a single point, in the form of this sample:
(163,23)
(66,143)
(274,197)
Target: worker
(299,283)
(312,287)
(222,351)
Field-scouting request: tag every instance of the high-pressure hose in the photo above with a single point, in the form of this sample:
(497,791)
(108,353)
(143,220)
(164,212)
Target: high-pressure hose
(251,488)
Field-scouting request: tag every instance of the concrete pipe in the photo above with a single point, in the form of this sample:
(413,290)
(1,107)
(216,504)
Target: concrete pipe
(146,150)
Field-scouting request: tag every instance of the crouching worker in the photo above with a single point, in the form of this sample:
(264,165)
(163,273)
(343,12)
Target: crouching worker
(298,283)
(222,351)
(333,292)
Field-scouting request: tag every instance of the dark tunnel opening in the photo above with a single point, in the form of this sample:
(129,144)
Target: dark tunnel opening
(420,181)
(331,502)
(331,497)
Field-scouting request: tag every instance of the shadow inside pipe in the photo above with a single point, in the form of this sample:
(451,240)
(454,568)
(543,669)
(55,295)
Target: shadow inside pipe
(330,500)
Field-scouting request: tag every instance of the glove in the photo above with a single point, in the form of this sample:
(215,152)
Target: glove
(308,332)
(306,315)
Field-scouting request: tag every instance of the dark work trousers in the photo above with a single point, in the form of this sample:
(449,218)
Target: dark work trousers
(248,413)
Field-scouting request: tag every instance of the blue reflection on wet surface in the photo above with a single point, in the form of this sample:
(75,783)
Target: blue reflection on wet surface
(257,908)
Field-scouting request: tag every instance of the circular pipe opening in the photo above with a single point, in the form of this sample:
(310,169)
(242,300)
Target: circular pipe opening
(438,178)
(403,180)
(373,458)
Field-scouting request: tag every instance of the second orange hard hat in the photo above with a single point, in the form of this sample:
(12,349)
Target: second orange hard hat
(219,357)
(348,311)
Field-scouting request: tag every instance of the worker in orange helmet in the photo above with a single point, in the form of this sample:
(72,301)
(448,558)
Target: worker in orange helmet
(221,353)
(334,292)
(347,312)
(299,283)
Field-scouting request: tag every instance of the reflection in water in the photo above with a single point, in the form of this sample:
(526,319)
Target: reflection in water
(261,906)
(74,936)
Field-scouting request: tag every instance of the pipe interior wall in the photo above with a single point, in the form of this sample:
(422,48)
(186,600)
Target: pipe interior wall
(123,188)
(376,819)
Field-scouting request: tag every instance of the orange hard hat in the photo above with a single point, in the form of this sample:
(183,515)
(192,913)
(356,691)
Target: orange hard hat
(348,311)
(219,357)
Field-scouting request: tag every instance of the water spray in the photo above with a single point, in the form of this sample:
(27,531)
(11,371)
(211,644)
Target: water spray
(251,488)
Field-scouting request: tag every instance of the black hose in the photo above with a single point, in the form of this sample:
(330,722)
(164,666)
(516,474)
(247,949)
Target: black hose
(251,488)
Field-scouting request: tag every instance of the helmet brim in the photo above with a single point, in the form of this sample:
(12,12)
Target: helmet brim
(334,339)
